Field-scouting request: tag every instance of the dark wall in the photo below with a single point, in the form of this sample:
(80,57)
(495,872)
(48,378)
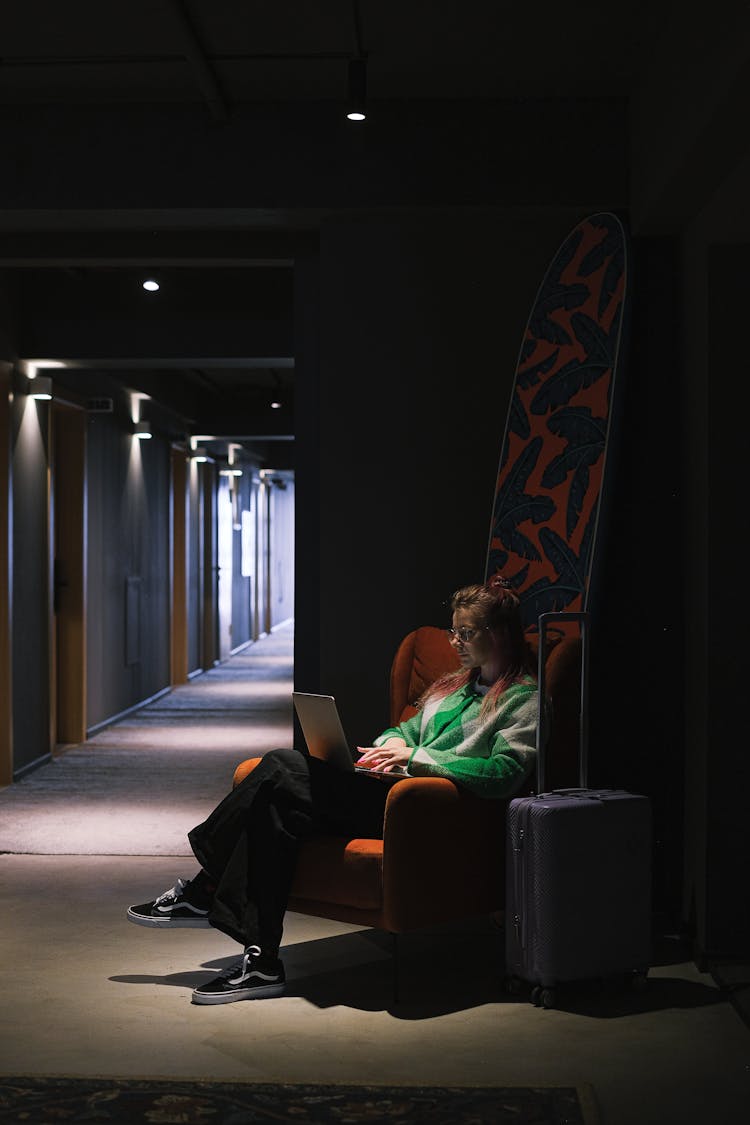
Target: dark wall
(422,316)
(727,763)
(308,477)
(31,580)
(636,700)
(284,156)
(8,328)
(128,566)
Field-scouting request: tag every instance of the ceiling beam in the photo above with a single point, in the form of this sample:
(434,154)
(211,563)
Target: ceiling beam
(164,248)
(196,56)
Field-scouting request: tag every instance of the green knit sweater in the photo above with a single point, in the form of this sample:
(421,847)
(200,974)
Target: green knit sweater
(490,754)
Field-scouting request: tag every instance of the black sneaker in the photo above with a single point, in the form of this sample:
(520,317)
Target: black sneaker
(251,977)
(172,910)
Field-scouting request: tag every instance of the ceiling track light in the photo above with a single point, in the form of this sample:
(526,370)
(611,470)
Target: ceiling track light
(277,399)
(142,430)
(356,93)
(40,387)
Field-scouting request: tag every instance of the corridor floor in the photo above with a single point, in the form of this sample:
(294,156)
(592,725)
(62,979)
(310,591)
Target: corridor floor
(86,993)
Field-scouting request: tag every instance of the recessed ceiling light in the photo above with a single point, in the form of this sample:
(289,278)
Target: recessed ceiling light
(151,285)
(356,94)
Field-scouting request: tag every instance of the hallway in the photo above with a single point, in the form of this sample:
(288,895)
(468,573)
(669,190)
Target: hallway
(84,993)
(136,786)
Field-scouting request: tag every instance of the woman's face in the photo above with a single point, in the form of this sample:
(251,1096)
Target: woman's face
(472,642)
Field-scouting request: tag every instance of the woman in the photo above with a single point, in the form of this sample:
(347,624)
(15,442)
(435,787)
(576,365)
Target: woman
(476,726)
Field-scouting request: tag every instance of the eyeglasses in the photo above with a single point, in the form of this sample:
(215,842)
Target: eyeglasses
(464,635)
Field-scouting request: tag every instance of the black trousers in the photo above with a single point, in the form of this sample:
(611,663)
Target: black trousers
(249,843)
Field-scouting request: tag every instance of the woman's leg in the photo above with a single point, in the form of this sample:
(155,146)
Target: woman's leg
(248,846)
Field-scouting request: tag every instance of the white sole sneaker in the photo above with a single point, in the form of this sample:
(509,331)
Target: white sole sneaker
(168,921)
(259,992)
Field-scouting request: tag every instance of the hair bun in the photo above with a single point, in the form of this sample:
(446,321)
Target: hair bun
(497,582)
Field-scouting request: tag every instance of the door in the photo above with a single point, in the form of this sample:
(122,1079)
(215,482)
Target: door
(178,566)
(208,579)
(225,534)
(68,535)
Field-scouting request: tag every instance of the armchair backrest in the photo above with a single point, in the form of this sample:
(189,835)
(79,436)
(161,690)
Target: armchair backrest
(425,654)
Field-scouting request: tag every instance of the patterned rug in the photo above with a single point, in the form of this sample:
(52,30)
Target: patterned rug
(119,1101)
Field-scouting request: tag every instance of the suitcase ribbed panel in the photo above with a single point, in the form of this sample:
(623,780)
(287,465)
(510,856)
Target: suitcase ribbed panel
(579,888)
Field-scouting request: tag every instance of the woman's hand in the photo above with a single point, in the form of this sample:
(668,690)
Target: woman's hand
(393,755)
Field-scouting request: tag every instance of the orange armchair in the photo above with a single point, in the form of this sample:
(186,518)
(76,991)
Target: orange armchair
(442,856)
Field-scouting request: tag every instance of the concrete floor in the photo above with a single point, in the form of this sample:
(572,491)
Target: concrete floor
(87,993)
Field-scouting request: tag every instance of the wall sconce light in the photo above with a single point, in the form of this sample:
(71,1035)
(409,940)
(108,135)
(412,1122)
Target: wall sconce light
(40,387)
(142,430)
(233,474)
(196,439)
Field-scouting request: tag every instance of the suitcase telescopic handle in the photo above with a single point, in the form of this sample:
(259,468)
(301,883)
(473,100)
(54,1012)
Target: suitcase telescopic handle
(545,619)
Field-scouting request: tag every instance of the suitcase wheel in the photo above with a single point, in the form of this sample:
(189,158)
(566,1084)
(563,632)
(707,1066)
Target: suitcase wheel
(638,980)
(543,997)
(513,985)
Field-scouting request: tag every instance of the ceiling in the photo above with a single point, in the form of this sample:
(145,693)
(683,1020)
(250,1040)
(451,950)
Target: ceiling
(184,346)
(230,51)
(226,53)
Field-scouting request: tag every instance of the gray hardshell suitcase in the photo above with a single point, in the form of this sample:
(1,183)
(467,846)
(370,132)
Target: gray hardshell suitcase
(578,885)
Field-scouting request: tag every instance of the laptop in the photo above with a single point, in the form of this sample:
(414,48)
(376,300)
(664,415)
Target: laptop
(324,734)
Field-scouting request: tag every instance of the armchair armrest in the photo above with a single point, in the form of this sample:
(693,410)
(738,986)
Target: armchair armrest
(443,853)
(243,769)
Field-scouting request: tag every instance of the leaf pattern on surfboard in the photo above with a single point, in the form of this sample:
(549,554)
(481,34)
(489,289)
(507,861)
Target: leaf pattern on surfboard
(556,295)
(514,505)
(585,436)
(575,375)
(553,456)
(530,376)
(612,252)
(518,420)
(550,595)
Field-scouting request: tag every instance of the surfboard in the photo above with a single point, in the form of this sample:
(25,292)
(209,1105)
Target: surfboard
(551,478)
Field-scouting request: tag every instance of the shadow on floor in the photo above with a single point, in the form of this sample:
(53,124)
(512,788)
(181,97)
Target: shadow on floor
(438,973)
